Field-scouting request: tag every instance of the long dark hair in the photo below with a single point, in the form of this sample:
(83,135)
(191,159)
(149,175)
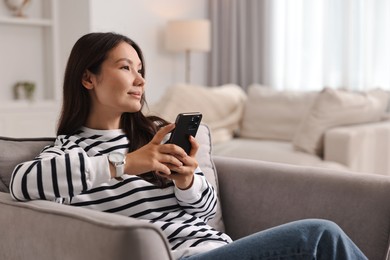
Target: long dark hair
(88,53)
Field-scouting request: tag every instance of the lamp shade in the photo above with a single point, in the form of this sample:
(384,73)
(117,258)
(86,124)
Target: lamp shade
(188,35)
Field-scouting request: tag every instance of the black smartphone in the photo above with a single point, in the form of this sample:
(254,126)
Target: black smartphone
(186,124)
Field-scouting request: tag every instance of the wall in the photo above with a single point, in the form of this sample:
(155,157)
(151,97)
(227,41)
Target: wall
(74,21)
(144,22)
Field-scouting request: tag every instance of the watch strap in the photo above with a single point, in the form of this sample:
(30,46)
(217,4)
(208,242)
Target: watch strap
(119,169)
(117,160)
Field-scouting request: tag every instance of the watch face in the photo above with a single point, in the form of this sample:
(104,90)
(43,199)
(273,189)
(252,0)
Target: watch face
(116,157)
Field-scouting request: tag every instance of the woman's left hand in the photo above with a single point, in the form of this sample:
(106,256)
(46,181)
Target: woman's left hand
(184,175)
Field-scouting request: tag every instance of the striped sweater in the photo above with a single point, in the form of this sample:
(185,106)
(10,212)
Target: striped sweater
(75,171)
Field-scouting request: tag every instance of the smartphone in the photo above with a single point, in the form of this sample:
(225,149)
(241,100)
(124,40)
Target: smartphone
(186,124)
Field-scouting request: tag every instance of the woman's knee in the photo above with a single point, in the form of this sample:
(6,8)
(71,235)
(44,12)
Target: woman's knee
(321,227)
(331,240)
(323,224)
(331,226)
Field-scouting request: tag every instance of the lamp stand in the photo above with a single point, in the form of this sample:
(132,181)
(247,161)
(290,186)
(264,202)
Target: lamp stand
(188,66)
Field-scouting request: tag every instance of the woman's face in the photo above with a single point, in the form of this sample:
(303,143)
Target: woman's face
(119,86)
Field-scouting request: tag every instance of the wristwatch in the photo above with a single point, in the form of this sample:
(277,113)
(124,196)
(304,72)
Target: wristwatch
(118,160)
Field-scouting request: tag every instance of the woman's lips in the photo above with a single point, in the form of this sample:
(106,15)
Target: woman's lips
(137,95)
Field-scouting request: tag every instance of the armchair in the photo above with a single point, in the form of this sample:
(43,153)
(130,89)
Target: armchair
(254,195)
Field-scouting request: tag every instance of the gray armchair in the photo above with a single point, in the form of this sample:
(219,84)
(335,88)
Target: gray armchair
(254,195)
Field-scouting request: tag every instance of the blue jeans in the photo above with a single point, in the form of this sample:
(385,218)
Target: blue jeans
(304,239)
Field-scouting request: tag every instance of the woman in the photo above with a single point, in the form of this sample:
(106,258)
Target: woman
(108,156)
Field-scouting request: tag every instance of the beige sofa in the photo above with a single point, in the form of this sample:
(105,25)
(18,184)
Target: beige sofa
(330,128)
(254,195)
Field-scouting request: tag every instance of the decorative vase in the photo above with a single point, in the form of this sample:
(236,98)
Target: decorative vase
(17,6)
(24,90)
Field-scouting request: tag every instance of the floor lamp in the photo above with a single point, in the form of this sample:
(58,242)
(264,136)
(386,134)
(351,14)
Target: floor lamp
(188,36)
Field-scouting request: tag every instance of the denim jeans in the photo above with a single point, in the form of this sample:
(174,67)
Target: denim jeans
(303,239)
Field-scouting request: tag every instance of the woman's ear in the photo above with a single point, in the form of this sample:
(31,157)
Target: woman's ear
(87,80)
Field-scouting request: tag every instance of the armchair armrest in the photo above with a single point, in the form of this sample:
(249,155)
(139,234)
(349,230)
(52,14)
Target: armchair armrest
(256,195)
(363,147)
(47,230)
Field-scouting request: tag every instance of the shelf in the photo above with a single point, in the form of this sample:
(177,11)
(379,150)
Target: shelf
(34,41)
(26,21)
(24,104)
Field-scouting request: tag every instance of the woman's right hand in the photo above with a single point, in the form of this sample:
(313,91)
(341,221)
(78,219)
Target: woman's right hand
(155,156)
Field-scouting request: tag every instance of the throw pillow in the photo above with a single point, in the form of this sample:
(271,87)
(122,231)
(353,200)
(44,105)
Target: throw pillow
(335,108)
(207,166)
(16,150)
(221,107)
(273,114)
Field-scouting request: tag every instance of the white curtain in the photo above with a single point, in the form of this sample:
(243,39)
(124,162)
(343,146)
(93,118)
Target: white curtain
(301,44)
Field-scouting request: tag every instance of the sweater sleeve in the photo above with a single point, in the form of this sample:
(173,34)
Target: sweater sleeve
(61,171)
(200,200)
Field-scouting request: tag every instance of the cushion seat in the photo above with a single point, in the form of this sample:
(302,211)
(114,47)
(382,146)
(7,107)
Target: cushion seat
(272,151)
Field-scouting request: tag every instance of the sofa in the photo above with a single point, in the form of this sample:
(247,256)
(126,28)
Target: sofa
(253,195)
(337,129)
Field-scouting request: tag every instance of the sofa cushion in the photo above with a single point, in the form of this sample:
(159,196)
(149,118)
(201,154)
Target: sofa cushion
(16,150)
(335,108)
(221,106)
(273,114)
(207,166)
(271,151)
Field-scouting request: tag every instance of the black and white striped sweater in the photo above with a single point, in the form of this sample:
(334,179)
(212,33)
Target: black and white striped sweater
(75,171)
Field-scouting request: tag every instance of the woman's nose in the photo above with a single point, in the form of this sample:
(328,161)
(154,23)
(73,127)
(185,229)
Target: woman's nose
(139,80)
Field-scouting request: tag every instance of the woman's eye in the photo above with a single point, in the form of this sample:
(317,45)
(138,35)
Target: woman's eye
(140,71)
(126,67)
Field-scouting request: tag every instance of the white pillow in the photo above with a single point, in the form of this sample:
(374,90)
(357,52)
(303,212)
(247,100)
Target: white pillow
(221,107)
(335,108)
(273,114)
(207,166)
